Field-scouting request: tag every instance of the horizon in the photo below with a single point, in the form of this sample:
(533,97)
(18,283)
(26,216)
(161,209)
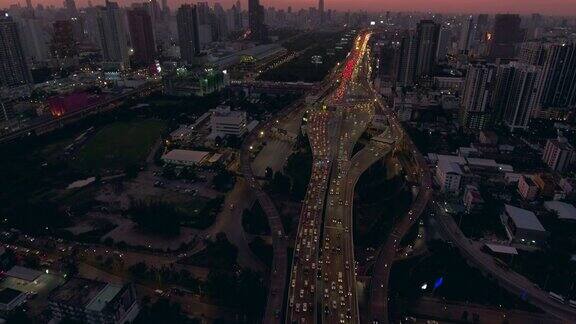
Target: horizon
(522,7)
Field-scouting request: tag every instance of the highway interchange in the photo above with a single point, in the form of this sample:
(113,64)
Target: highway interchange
(322,279)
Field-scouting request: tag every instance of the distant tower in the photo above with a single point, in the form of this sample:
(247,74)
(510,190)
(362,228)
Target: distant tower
(258,29)
(113,35)
(13,68)
(321,10)
(71,9)
(506,35)
(142,36)
(188,36)
(427,43)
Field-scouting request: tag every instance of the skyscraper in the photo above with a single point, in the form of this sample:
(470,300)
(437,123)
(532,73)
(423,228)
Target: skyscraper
(477,95)
(505,36)
(427,44)
(516,93)
(63,46)
(13,68)
(466,34)
(558,87)
(258,29)
(321,10)
(188,37)
(141,36)
(407,62)
(113,35)
(71,10)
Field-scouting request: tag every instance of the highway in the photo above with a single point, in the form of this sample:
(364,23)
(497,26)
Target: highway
(323,279)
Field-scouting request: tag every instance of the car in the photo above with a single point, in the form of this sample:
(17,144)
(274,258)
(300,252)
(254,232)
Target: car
(301,293)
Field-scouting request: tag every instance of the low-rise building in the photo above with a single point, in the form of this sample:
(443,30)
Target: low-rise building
(11,299)
(449,175)
(225,121)
(546,184)
(568,185)
(91,301)
(527,188)
(185,157)
(522,226)
(559,155)
(564,210)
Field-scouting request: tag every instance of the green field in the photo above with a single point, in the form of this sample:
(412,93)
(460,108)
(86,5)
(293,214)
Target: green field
(120,144)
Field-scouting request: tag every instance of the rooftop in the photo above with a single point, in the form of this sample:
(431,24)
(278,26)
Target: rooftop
(186,155)
(8,294)
(524,219)
(77,292)
(564,210)
(23,273)
(504,249)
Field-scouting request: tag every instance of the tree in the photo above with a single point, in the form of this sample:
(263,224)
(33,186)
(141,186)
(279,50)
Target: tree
(157,217)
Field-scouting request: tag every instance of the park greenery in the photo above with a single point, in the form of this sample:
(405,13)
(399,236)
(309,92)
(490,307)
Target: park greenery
(301,68)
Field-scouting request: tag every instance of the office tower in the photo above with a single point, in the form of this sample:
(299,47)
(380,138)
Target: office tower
(477,95)
(387,63)
(444,36)
(505,36)
(481,26)
(13,68)
(558,84)
(37,39)
(71,9)
(516,97)
(407,62)
(466,34)
(427,44)
(188,36)
(258,30)
(141,36)
(321,10)
(532,53)
(63,46)
(112,31)
(203,10)
(220,22)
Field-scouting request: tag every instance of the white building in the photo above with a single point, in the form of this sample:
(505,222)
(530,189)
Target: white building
(185,157)
(449,175)
(224,121)
(522,226)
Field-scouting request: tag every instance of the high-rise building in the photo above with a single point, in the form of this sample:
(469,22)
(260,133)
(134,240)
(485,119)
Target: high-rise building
(444,35)
(141,36)
(13,68)
(505,36)
(427,44)
(258,30)
(559,154)
(63,46)
(71,10)
(407,62)
(477,95)
(558,84)
(481,26)
(516,93)
(37,39)
(466,35)
(188,35)
(113,40)
(321,10)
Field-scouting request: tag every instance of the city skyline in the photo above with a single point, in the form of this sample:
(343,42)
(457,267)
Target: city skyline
(552,7)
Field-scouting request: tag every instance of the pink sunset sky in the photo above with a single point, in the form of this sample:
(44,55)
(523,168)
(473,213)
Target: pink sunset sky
(551,7)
